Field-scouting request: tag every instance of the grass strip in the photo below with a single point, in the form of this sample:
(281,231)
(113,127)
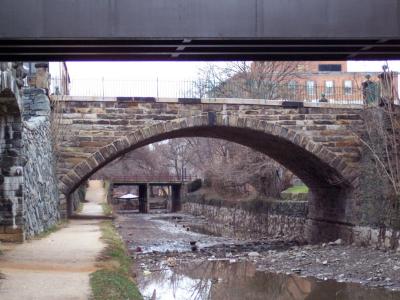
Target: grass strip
(113,280)
(107,209)
(80,208)
(297,189)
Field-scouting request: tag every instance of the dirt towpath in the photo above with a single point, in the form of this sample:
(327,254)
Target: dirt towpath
(57,266)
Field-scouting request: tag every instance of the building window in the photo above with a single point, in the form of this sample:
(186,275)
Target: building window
(292,86)
(310,87)
(348,87)
(329,87)
(301,68)
(292,90)
(330,68)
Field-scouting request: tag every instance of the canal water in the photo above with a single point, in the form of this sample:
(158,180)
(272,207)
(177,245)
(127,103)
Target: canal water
(166,269)
(224,280)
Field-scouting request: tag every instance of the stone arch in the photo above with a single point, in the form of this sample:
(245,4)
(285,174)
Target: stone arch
(328,175)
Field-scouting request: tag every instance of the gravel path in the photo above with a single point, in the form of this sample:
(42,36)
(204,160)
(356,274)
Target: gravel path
(57,266)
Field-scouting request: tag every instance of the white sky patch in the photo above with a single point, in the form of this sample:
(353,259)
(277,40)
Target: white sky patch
(177,70)
(372,66)
(174,71)
(158,79)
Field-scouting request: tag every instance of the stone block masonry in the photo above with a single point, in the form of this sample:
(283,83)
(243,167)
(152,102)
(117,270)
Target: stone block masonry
(11,174)
(29,195)
(285,220)
(78,197)
(40,205)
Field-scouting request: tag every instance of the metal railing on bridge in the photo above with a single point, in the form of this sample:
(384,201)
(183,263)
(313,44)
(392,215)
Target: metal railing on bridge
(239,89)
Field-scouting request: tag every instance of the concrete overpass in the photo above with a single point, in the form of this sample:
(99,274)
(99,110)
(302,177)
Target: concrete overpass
(199,30)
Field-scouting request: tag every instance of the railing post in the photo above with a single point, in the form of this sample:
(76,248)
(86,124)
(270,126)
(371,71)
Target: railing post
(102,86)
(157,89)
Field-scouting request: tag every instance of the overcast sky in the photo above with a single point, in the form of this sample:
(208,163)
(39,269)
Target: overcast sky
(140,78)
(177,70)
(136,70)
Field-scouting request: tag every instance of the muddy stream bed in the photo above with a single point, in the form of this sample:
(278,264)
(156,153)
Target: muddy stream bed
(221,268)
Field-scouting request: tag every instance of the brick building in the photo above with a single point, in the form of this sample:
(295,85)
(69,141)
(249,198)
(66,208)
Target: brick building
(332,79)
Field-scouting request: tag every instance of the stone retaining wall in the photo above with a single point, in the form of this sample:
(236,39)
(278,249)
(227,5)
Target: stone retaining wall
(283,219)
(29,198)
(382,238)
(41,203)
(77,197)
(240,223)
(40,183)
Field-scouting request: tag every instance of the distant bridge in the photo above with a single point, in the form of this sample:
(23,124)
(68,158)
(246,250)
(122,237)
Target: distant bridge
(144,183)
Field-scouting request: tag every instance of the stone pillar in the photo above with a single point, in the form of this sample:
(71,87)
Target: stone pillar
(70,206)
(41,78)
(143,199)
(63,207)
(169,199)
(149,195)
(109,192)
(12,164)
(176,197)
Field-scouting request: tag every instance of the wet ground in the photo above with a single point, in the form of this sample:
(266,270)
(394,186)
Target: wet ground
(225,268)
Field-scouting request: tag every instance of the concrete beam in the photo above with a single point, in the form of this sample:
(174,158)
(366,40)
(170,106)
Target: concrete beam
(193,19)
(199,30)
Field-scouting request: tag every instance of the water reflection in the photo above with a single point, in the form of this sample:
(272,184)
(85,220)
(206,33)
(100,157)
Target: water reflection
(221,280)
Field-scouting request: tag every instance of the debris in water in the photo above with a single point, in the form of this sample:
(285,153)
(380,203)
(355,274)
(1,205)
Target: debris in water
(253,254)
(171,261)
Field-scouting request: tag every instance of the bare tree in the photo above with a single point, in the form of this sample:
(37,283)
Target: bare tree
(231,167)
(382,123)
(141,162)
(175,156)
(265,80)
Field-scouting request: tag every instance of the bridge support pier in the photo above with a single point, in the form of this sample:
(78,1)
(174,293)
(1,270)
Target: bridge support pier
(176,197)
(70,207)
(143,198)
(330,215)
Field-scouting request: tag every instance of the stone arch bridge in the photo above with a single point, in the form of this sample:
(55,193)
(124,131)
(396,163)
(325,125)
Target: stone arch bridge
(315,141)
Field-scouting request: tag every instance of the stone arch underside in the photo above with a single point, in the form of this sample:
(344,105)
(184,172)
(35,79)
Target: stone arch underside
(328,175)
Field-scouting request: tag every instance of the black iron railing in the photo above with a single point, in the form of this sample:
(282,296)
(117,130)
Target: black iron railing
(235,89)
